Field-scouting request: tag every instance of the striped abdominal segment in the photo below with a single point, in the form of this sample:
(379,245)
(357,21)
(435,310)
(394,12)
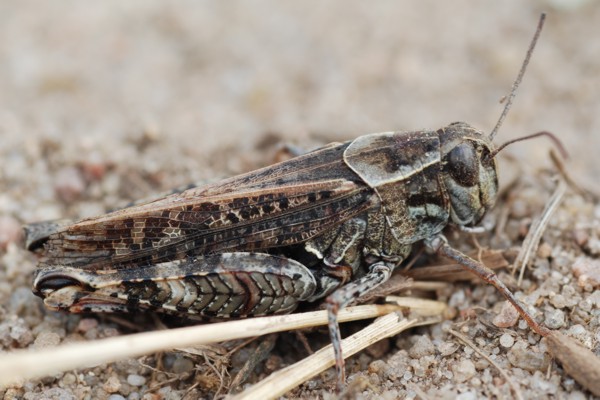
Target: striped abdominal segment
(223,285)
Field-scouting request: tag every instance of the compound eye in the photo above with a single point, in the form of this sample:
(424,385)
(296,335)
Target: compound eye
(486,160)
(463,165)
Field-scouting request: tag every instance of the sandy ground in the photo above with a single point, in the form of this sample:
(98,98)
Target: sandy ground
(107,102)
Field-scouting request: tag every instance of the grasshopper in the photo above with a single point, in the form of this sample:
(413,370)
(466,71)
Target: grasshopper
(330,224)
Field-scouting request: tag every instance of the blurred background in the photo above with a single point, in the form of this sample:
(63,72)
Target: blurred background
(187,90)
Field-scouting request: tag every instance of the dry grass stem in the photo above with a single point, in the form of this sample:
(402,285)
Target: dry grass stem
(288,378)
(537,229)
(429,285)
(23,365)
(423,307)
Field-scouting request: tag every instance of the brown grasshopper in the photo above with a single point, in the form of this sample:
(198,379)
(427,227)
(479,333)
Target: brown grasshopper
(333,223)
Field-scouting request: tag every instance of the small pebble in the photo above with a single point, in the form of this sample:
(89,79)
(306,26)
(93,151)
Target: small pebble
(558,301)
(46,339)
(422,347)
(593,246)
(112,384)
(527,359)
(136,380)
(90,379)
(447,348)
(578,332)
(182,365)
(523,324)
(542,385)
(481,364)
(475,382)
(418,370)
(585,305)
(572,297)
(13,394)
(507,317)
(116,397)
(463,370)
(373,379)
(377,367)
(581,237)
(587,272)
(18,331)
(507,341)
(69,379)
(594,298)
(56,393)
(396,365)
(554,319)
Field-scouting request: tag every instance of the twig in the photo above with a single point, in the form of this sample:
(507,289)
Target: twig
(472,345)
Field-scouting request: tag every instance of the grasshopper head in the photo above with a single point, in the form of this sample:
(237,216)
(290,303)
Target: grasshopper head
(468,172)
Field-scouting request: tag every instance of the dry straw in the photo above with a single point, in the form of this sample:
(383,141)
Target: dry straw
(21,365)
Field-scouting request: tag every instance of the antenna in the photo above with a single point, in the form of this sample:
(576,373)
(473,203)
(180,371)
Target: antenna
(556,141)
(517,82)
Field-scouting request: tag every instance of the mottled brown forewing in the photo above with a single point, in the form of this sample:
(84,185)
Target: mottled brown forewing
(273,207)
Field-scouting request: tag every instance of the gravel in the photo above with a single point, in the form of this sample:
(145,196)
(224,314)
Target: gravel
(506,340)
(136,380)
(463,370)
(423,346)
(554,319)
(530,359)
